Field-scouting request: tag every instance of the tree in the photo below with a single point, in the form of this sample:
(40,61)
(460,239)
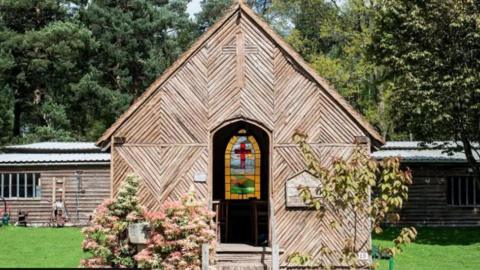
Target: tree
(212,10)
(370,191)
(431,50)
(41,53)
(138,39)
(334,36)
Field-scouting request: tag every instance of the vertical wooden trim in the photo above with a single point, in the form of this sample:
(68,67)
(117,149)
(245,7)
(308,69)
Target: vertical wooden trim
(240,44)
(54,189)
(112,170)
(63,190)
(10,185)
(275,257)
(271,200)
(34,185)
(205,257)
(18,185)
(2,186)
(210,174)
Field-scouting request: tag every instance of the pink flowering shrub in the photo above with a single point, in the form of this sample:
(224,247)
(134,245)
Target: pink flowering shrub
(107,238)
(177,234)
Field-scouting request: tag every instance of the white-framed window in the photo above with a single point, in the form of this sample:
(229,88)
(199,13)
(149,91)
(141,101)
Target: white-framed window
(463,191)
(20,185)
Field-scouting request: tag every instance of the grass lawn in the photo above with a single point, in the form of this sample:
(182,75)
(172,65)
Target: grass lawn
(436,248)
(40,247)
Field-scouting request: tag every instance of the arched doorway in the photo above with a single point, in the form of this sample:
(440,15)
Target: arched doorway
(240,183)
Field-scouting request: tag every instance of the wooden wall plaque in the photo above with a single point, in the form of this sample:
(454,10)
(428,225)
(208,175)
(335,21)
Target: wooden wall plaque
(293,199)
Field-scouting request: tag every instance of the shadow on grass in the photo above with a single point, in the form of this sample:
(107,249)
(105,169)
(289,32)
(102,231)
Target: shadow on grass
(437,236)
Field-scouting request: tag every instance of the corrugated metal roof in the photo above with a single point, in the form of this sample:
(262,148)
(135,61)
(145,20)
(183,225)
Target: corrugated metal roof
(56,158)
(53,153)
(419,152)
(64,146)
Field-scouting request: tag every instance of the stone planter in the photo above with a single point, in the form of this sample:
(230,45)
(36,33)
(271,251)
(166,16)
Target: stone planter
(138,233)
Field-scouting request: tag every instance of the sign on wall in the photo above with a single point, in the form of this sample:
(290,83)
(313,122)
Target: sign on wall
(200,177)
(304,179)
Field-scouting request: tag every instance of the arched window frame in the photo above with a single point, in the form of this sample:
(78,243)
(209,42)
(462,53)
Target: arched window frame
(228,174)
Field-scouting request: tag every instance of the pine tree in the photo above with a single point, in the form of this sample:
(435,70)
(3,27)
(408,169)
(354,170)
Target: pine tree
(138,40)
(41,53)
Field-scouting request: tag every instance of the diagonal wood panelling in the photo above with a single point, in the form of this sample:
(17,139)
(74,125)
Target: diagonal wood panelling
(186,121)
(166,172)
(302,230)
(239,71)
(257,97)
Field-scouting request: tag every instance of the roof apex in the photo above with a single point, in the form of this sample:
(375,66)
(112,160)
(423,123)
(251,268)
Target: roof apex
(240,6)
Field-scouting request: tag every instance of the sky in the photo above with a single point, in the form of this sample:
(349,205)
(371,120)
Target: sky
(193,7)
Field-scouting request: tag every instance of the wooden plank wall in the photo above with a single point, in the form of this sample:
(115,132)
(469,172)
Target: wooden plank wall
(427,203)
(95,182)
(168,139)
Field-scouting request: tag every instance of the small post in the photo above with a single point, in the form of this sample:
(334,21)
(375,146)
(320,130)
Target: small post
(275,257)
(391,264)
(205,256)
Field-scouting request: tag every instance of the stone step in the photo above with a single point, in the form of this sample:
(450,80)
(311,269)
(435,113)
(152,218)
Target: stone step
(242,256)
(240,266)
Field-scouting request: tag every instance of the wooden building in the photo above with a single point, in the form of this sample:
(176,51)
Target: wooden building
(221,120)
(78,172)
(443,191)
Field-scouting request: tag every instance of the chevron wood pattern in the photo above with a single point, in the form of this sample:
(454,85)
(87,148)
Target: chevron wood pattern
(303,230)
(238,72)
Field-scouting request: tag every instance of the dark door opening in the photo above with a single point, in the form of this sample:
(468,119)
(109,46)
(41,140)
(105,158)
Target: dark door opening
(240,183)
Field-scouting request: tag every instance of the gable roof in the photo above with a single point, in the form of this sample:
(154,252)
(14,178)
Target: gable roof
(296,59)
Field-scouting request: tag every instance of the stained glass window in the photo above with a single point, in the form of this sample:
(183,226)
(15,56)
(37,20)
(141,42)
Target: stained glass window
(242,167)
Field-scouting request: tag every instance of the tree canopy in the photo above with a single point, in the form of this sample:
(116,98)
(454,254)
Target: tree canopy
(68,69)
(431,52)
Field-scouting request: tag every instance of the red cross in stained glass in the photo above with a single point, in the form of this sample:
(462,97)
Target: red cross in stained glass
(243,151)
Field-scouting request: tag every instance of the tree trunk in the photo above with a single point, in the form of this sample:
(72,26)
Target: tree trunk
(17,113)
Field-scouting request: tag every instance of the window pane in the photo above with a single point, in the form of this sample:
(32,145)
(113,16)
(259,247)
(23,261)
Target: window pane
(38,190)
(470,191)
(450,191)
(13,176)
(477,192)
(29,185)
(6,185)
(21,185)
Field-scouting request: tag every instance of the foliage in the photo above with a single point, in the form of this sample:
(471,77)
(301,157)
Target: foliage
(298,258)
(41,52)
(349,186)
(107,238)
(178,232)
(211,11)
(138,39)
(431,51)
(334,36)
(88,59)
